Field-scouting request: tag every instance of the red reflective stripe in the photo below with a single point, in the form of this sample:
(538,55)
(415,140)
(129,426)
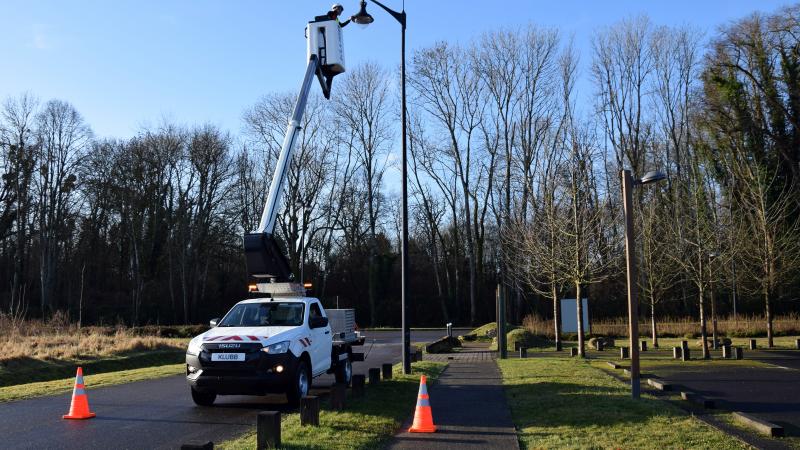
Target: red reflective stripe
(253,338)
(232,338)
(213,338)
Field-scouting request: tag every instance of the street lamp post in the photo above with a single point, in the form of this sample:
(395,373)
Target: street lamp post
(364,18)
(630,259)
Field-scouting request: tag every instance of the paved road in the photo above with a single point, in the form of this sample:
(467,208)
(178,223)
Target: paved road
(159,414)
(772,393)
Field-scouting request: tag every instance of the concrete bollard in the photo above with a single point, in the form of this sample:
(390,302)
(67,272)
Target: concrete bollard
(753,344)
(624,353)
(523,352)
(309,411)
(644,346)
(358,385)
(676,352)
(198,445)
(268,430)
(338,394)
(386,371)
(374,375)
(738,353)
(573,351)
(726,352)
(686,355)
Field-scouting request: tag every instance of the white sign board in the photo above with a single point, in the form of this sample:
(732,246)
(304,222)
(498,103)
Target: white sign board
(569,315)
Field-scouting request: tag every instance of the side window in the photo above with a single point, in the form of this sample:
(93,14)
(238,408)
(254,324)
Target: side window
(314,311)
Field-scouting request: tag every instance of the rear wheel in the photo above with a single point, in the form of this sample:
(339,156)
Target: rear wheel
(344,371)
(203,399)
(300,385)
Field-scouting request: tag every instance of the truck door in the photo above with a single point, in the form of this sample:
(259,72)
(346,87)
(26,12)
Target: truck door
(321,341)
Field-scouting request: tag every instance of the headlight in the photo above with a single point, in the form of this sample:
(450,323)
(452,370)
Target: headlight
(194,347)
(280,347)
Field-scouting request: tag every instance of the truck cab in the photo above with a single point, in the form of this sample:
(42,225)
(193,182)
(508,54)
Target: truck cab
(268,345)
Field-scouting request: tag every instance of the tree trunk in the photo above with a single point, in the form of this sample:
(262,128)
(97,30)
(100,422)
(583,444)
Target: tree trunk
(768,312)
(653,322)
(579,309)
(703,332)
(556,317)
(715,342)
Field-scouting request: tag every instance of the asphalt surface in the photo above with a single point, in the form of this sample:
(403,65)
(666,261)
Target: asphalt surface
(771,393)
(160,414)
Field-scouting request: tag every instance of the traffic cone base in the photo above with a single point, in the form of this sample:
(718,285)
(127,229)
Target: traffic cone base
(79,407)
(423,418)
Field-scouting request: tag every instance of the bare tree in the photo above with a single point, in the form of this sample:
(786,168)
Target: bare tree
(62,139)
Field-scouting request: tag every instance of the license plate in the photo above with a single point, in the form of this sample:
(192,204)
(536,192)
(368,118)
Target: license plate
(227,356)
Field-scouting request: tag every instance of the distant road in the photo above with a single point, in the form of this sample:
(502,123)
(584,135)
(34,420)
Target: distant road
(159,414)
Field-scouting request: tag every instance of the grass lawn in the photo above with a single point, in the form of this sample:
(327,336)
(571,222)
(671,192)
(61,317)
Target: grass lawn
(32,370)
(93,381)
(366,423)
(568,403)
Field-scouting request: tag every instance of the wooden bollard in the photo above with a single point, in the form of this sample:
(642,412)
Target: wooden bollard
(677,352)
(686,355)
(523,352)
(684,344)
(386,370)
(797,343)
(374,375)
(309,411)
(753,344)
(600,345)
(560,347)
(738,353)
(358,385)
(338,393)
(726,351)
(623,353)
(573,351)
(644,346)
(268,426)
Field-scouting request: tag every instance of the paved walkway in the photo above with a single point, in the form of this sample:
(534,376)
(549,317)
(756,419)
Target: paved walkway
(469,409)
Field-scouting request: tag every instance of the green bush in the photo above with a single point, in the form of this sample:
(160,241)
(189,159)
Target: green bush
(525,339)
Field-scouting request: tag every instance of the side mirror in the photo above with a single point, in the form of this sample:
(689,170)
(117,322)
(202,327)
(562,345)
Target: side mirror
(213,322)
(317,322)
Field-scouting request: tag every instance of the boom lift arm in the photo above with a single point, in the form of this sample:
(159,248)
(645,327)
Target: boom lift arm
(266,261)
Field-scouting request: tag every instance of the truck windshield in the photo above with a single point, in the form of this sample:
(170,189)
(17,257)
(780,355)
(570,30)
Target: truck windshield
(284,314)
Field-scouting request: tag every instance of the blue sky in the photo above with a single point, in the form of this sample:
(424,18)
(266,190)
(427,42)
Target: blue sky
(125,64)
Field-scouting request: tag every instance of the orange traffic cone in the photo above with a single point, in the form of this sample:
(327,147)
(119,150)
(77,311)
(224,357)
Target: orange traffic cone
(423,420)
(79,409)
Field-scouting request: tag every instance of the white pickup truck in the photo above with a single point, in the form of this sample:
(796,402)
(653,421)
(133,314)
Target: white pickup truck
(271,345)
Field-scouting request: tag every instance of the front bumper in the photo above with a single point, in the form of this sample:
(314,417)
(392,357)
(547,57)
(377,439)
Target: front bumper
(258,375)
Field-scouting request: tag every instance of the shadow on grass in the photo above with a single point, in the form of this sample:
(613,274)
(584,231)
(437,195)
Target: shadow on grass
(578,405)
(29,370)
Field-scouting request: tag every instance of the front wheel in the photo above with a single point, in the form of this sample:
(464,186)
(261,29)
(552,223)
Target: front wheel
(300,385)
(203,399)
(344,371)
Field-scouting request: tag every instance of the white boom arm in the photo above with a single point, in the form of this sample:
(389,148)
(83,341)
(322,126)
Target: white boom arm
(268,217)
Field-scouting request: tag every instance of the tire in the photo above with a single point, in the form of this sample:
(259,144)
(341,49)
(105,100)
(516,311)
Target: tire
(300,384)
(203,399)
(344,371)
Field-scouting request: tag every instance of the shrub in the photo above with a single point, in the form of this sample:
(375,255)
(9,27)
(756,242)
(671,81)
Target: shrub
(523,338)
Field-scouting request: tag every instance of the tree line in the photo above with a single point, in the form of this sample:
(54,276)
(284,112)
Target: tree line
(513,172)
